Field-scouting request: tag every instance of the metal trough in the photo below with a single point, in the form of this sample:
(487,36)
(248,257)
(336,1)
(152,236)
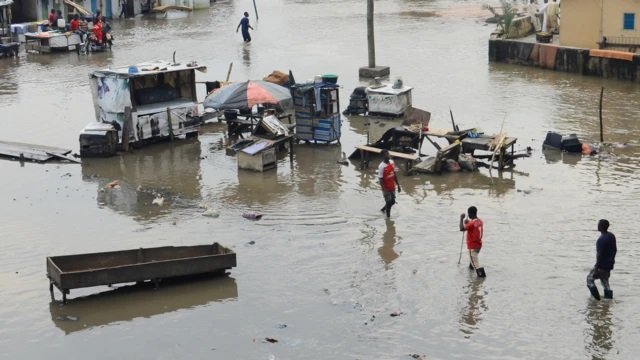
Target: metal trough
(85,270)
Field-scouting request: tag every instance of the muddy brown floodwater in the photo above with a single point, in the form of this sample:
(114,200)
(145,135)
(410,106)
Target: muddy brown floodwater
(325,270)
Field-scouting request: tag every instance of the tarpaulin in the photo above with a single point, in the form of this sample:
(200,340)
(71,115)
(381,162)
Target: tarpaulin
(612,54)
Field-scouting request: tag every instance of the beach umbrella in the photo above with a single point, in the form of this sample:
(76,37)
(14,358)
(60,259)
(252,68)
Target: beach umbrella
(247,94)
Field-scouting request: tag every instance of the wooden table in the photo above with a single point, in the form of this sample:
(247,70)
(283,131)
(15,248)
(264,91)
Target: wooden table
(409,159)
(484,142)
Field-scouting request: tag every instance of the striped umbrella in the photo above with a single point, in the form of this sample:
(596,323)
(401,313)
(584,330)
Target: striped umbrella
(247,94)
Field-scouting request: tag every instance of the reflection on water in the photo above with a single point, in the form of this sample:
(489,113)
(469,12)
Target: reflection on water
(317,170)
(389,239)
(246,55)
(554,156)
(256,189)
(171,171)
(472,311)
(135,301)
(497,185)
(599,341)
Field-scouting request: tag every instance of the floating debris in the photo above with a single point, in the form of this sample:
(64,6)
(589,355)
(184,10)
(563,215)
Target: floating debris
(421,14)
(418,356)
(271,340)
(252,216)
(159,200)
(211,213)
(114,185)
(67,318)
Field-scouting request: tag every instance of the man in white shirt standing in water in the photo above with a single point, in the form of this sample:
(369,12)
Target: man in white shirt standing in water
(388,181)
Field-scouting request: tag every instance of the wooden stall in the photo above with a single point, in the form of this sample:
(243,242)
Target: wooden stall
(317,112)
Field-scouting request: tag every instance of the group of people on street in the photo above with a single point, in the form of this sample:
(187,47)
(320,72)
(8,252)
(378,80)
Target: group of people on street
(56,20)
(550,11)
(470,223)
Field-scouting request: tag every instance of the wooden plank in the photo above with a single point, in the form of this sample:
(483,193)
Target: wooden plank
(372,149)
(449,148)
(483,142)
(170,124)
(126,129)
(65,157)
(437,132)
(30,151)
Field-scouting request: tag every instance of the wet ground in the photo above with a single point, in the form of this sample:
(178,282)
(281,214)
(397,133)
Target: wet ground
(325,270)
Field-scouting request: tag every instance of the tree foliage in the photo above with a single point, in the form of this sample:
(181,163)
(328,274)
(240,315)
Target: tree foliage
(505,18)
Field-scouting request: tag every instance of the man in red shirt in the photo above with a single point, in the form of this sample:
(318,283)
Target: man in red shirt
(74,24)
(475,230)
(388,181)
(52,18)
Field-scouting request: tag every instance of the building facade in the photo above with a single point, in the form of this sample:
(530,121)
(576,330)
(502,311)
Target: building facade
(600,23)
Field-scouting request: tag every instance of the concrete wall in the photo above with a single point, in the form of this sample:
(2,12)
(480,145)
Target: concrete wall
(583,23)
(565,59)
(580,23)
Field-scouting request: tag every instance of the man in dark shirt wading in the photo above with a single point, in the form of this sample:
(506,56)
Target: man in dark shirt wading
(245,27)
(605,258)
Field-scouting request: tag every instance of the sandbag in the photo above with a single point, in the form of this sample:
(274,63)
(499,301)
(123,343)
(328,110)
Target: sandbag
(467,162)
(452,165)
(277,77)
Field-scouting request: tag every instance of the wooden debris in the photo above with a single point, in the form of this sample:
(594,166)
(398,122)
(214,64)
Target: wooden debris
(38,153)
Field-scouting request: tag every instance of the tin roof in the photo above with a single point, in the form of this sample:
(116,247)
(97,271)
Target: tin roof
(147,68)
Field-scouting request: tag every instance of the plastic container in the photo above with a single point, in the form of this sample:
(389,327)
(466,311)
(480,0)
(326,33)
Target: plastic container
(230,115)
(330,78)
(317,79)
(398,84)
(571,143)
(552,141)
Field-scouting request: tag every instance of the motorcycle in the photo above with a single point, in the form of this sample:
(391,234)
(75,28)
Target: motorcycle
(91,44)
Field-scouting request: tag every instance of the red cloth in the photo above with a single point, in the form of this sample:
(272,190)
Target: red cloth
(475,230)
(389,177)
(74,25)
(97,31)
(52,19)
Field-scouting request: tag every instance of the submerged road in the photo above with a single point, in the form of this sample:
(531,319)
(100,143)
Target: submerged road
(323,270)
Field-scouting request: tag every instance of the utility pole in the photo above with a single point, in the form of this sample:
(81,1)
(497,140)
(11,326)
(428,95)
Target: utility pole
(372,70)
(371,42)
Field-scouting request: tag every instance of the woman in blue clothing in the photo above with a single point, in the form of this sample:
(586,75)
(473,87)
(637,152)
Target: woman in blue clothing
(245,27)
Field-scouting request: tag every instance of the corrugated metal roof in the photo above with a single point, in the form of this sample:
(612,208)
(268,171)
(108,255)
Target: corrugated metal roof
(148,68)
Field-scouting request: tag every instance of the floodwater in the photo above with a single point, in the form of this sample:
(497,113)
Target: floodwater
(326,269)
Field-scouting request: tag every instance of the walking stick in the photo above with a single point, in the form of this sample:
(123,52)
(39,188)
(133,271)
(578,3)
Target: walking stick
(461,243)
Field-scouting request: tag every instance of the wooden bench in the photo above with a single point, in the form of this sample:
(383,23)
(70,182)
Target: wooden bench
(409,159)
